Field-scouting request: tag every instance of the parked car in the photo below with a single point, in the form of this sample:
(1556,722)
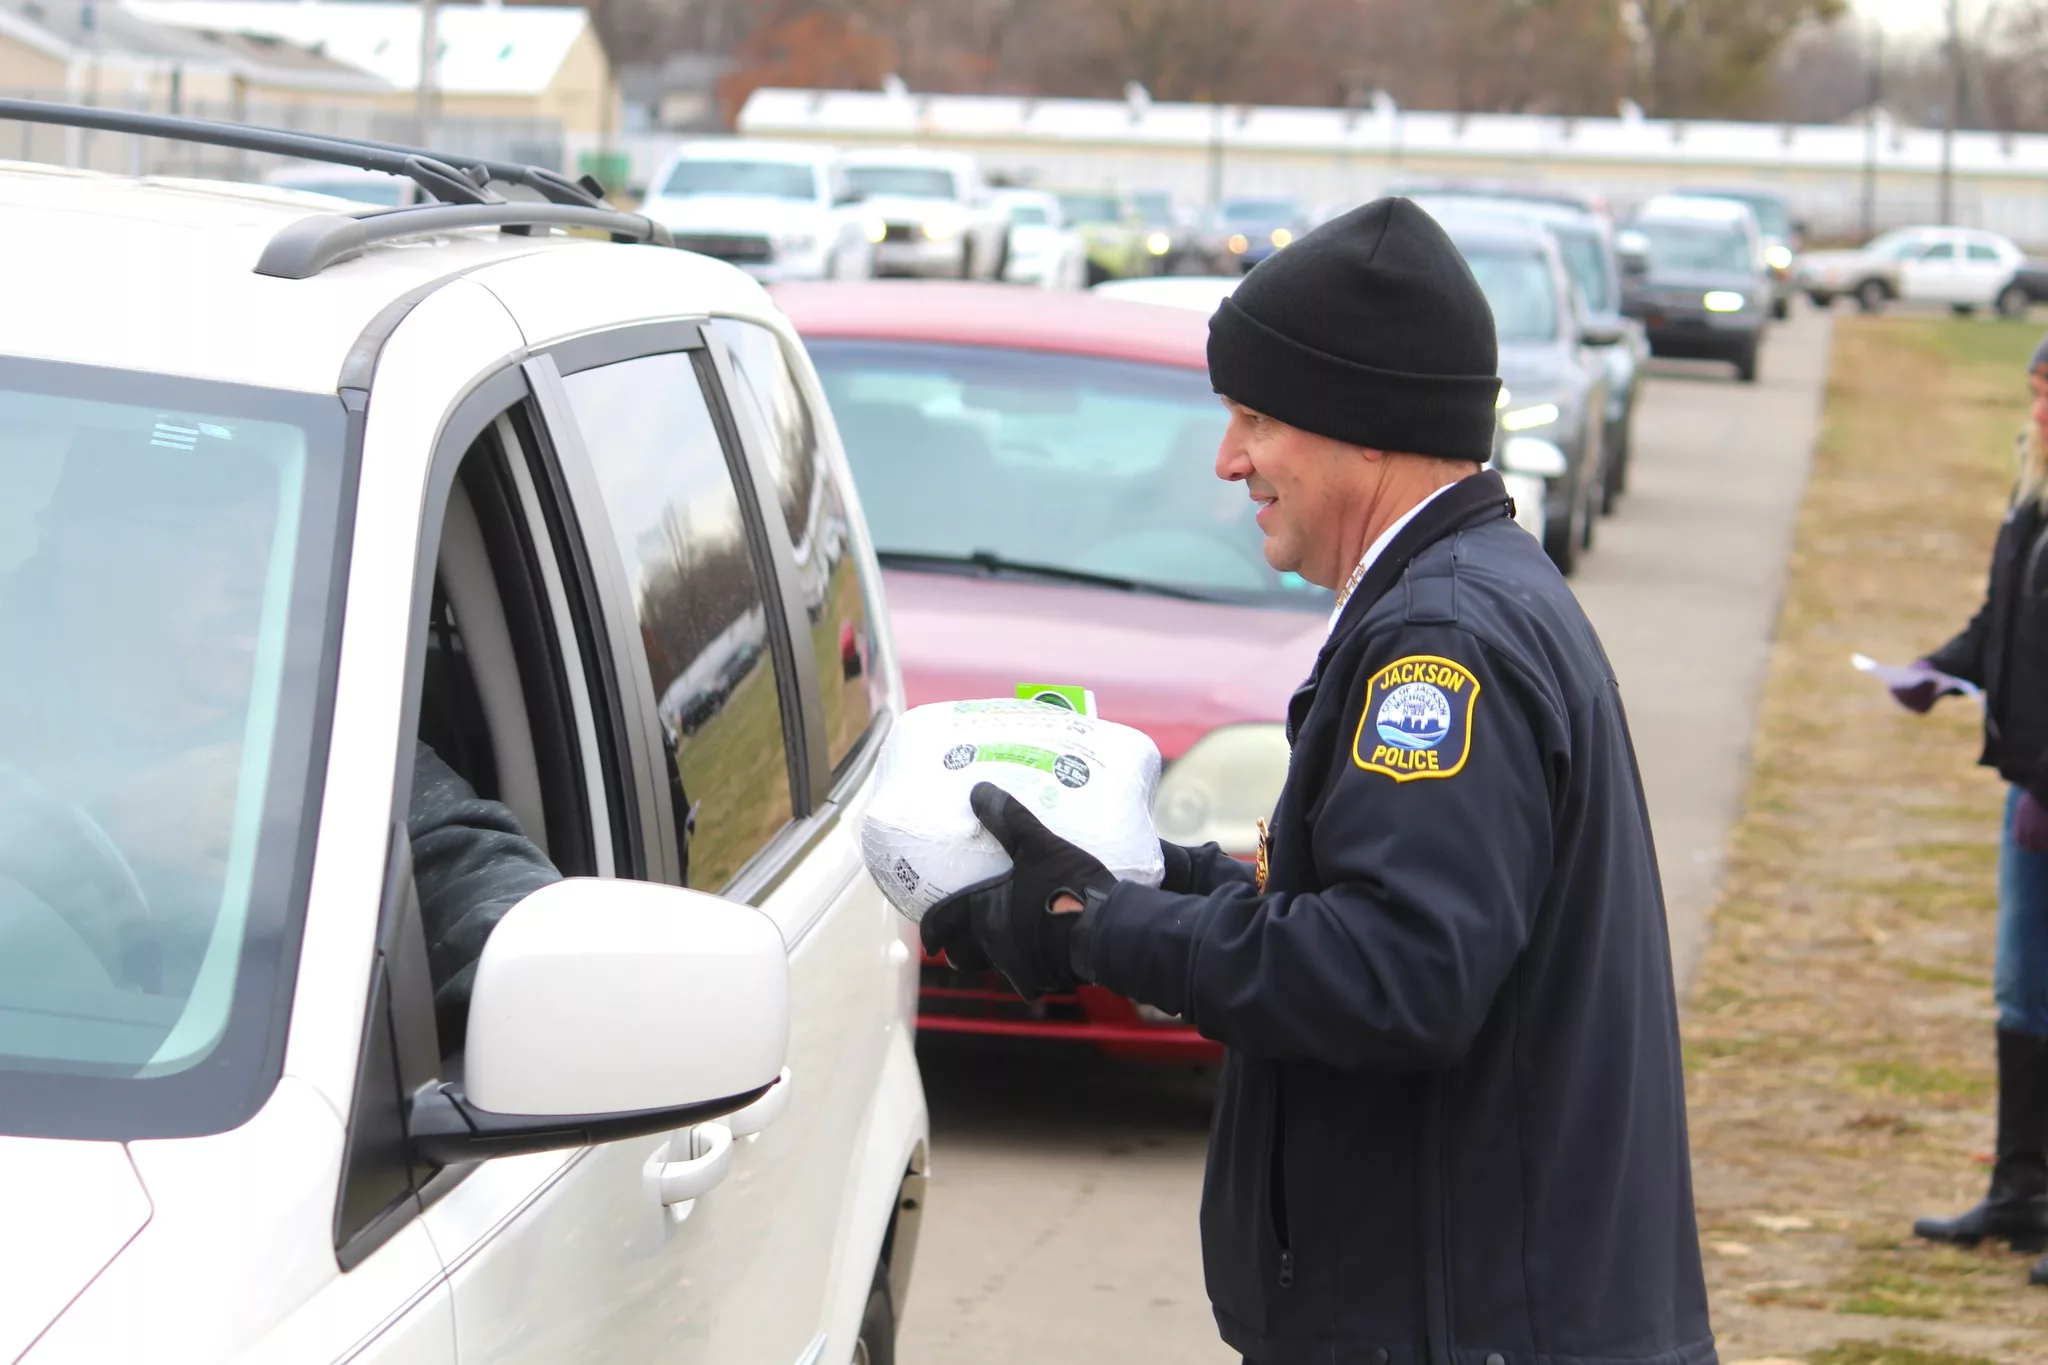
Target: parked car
(1043,249)
(1965,268)
(1249,229)
(1585,240)
(1039,475)
(2027,287)
(1203,293)
(1554,381)
(935,213)
(289,505)
(1115,232)
(778,210)
(1782,235)
(1704,292)
(1174,237)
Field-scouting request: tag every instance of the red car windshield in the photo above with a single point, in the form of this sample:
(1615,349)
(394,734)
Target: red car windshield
(990,457)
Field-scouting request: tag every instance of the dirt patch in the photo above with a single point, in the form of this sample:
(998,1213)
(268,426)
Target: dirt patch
(1839,1032)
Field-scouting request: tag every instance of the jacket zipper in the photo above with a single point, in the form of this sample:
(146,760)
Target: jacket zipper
(1276,1185)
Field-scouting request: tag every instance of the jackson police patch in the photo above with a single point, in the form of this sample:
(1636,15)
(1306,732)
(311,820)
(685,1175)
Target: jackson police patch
(1417,720)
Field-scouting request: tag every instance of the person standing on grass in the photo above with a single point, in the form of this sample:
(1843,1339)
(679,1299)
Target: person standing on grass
(2004,650)
(1451,1129)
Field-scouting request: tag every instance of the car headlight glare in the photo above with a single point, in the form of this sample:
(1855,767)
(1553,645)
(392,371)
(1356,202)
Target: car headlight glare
(1500,400)
(1281,237)
(1158,243)
(1222,787)
(1534,456)
(1780,257)
(1723,301)
(878,231)
(1529,418)
(941,230)
(1237,243)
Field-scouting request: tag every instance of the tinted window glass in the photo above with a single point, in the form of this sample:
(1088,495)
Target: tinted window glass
(984,460)
(1259,211)
(762,179)
(1940,251)
(1679,247)
(1586,258)
(1029,215)
(1980,252)
(164,548)
(1091,208)
(814,509)
(914,182)
(1521,291)
(687,558)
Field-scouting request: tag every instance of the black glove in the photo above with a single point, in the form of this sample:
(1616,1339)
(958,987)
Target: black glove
(1007,921)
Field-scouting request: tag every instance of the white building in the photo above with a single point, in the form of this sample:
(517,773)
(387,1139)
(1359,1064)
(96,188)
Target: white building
(1339,156)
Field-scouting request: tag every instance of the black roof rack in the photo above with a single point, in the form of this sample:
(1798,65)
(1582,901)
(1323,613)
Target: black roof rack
(308,246)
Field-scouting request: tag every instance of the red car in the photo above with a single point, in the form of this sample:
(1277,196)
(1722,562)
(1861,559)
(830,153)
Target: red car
(1038,471)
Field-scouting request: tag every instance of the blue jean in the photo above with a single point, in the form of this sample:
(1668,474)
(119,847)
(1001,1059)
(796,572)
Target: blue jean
(2019,979)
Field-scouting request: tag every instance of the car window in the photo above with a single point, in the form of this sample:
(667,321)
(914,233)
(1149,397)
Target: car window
(1091,208)
(164,549)
(1677,247)
(1981,252)
(1083,466)
(1521,291)
(689,562)
(1585,256)
(1940,251)
(756,179)
(914,182)
(1029,215)
(1259,210)
(836,598)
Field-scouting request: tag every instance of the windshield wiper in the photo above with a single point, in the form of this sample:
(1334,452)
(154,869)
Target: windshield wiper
(993,565)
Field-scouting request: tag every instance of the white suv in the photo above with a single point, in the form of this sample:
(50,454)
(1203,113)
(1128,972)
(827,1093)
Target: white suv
(777,210)
(935,211)
(408,952)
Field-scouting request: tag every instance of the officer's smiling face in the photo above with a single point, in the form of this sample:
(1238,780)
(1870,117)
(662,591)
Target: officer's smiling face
(1303,485)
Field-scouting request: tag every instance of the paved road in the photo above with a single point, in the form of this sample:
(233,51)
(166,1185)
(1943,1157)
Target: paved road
(1061,1218)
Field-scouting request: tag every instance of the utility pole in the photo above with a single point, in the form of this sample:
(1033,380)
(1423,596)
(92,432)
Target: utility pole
(1215,148)
(430,63)
(1870,135)
(1948,124)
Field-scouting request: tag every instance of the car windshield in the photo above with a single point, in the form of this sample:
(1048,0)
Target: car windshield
(1029,215)
(1520,289)
(165,551)
(1772,215)
(1090,208)
(1585,257)
(1156,209)
(1695,246)
(913,182)
(1084,466)
(759,179)
(1258,211)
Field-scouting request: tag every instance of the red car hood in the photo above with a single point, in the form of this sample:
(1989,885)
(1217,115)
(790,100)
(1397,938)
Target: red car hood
(1174,669)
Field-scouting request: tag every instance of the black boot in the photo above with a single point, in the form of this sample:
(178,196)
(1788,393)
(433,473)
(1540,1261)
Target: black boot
(2016,1208)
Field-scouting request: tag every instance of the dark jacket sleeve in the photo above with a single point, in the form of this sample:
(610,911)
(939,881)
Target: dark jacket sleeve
(471,863)
(1430,887)
(1963,656)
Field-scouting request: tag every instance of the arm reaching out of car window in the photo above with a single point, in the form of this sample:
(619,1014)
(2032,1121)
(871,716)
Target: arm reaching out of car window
(471,862)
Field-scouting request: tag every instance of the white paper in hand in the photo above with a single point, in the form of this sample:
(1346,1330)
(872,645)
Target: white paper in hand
(1091,781)
(1896,676)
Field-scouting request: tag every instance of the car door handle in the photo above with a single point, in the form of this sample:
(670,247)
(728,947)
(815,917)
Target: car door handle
(762,1112)
(680,1182)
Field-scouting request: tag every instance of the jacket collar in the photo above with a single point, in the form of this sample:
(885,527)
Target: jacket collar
(1469,502)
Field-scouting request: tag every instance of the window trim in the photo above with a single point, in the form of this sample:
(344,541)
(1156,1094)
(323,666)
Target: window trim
(593,350)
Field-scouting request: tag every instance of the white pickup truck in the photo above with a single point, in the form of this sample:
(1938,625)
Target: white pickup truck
(936,214)
(777,210)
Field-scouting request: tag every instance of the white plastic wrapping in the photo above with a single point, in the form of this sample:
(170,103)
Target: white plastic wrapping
(1091,781)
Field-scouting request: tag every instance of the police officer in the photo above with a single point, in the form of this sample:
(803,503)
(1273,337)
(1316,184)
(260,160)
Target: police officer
(1452,1122)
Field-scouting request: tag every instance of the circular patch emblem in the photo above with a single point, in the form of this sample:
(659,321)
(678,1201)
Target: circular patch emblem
(1071,770)
(1414,715)
(959,756)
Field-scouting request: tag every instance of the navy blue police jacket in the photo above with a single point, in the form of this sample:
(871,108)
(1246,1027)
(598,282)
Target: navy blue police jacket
(1451,1129)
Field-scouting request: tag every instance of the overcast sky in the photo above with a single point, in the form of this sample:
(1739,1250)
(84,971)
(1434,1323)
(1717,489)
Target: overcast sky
(1916,17)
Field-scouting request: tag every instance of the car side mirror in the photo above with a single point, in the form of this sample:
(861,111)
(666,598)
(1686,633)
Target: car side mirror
(1601,331)
(610,1009)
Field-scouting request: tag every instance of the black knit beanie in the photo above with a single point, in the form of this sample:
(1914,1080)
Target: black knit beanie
(1369,330)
